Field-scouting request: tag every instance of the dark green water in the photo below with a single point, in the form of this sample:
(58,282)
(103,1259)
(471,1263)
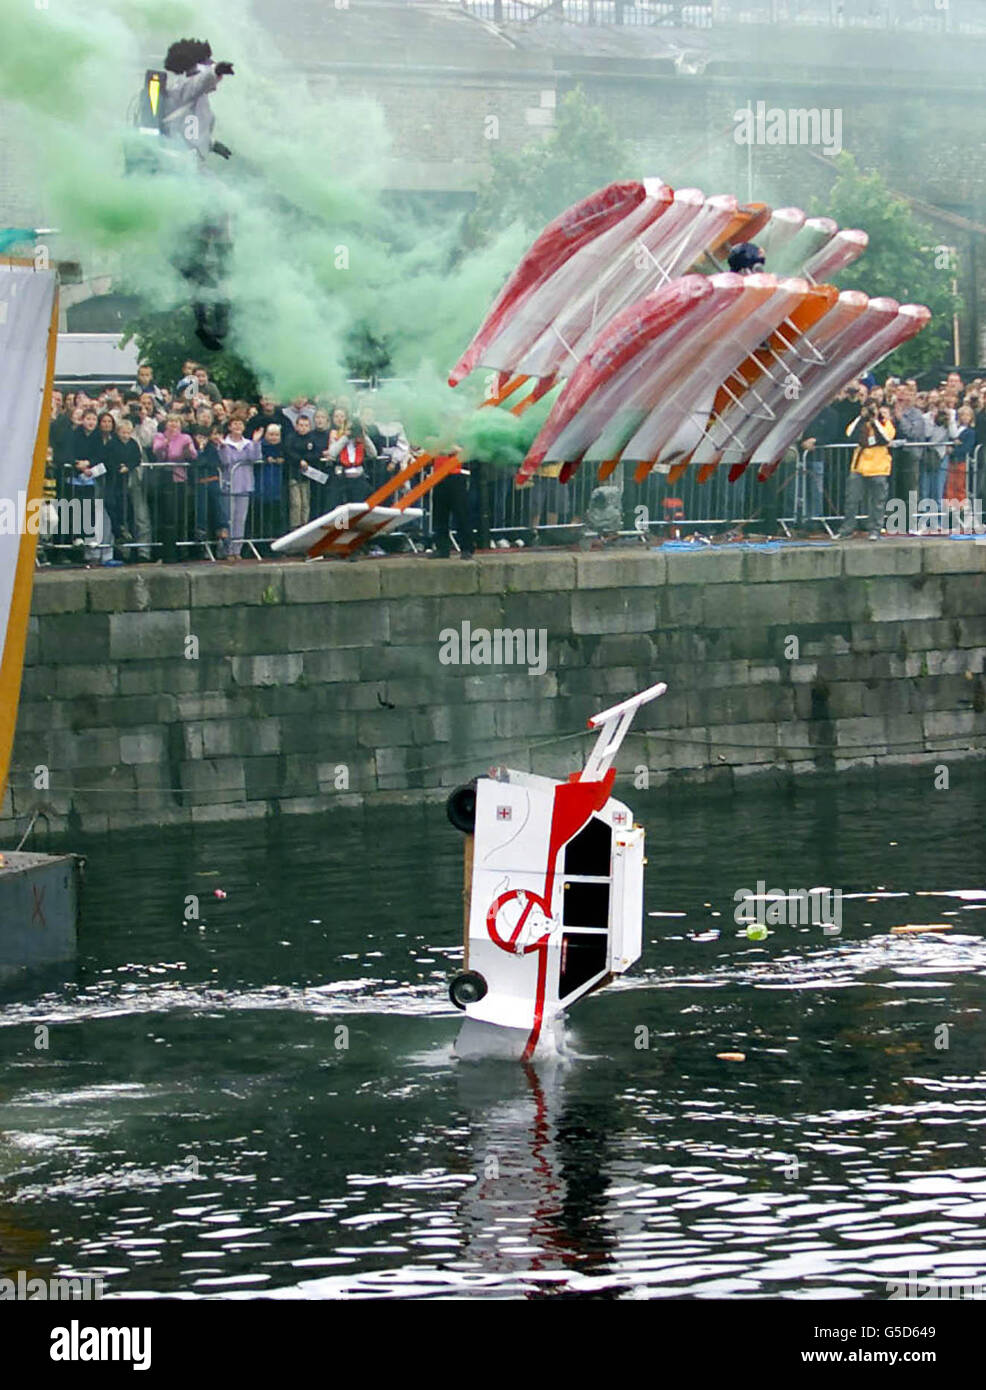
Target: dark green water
(193,1126)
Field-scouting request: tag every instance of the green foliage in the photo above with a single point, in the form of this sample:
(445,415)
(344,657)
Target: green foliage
(900,261)
(533,185)
(167,340)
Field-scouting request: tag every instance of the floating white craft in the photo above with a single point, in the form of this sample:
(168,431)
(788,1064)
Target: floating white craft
(554,875)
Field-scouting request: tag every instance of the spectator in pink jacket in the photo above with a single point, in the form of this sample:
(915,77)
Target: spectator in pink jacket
(167,495)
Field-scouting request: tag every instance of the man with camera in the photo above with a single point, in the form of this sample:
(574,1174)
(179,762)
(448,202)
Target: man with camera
(872,432)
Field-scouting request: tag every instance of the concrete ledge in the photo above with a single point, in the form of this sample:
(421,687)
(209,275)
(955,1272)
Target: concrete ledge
(138,590)
(59,591)
(883,557)
(429,577)
(704,566)
(327,581)
(626,569)
(226,586)
(809,562)
(955,557)
(526,573)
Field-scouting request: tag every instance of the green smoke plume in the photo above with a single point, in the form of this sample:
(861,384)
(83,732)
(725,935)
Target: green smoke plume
(318,251)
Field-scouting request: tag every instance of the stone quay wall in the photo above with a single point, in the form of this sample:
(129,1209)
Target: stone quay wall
(159,696)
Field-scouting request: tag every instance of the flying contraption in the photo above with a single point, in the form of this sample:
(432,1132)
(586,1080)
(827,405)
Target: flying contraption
(665,358)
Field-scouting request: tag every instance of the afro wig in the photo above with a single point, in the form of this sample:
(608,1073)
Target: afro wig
(186,54)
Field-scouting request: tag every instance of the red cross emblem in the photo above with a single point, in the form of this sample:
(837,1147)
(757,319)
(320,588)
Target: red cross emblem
(504,813)
(619,817)
(38,911)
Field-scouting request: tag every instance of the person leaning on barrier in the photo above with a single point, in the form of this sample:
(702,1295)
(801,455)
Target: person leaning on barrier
(872,432)
(350,456)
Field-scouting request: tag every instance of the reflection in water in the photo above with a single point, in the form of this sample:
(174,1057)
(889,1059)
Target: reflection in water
(265,1099)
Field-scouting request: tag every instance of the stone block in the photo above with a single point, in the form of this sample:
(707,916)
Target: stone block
(954,557)
(323,667)
(332,581)
(550,612)
(527,573)
(432,578)
(236,586)
(222,810)
(626,569)
(59,593)
(882,557)
(137,590)
(682,606)
(143,746)
(613,610)
(964,595)
(148,636)
(213,781)
(74,639)
(861,738)
(247,738)
(810,563)
(845,700)
(894,599)
(72,681)
(207,704)
(385,728)
(272,669)
(629,649)
(705,566)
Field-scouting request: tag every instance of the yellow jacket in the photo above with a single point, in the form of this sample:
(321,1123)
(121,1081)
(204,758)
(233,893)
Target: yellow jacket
(872,460)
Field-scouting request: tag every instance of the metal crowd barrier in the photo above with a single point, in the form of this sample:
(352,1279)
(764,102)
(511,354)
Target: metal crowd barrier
(823,476)
(165,518)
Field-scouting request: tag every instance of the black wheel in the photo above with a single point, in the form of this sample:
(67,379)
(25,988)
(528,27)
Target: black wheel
(467,988)
(461,808)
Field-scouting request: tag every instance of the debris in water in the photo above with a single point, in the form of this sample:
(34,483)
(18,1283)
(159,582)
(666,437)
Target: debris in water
(731,1056)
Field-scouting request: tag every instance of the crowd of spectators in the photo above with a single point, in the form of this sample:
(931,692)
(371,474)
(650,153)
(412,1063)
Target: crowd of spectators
(187,465)
(184,472)
(896,442)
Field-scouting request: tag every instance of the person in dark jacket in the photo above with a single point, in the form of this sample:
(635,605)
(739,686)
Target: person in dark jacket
(301,451)
(270,491)
(125,457)
(821,432)
(211,510)
(451,503)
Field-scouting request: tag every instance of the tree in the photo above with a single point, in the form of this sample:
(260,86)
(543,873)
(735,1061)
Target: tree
(166,339)
(533,185)
(901,260)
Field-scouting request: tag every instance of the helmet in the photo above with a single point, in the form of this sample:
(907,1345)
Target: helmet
(746,257)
